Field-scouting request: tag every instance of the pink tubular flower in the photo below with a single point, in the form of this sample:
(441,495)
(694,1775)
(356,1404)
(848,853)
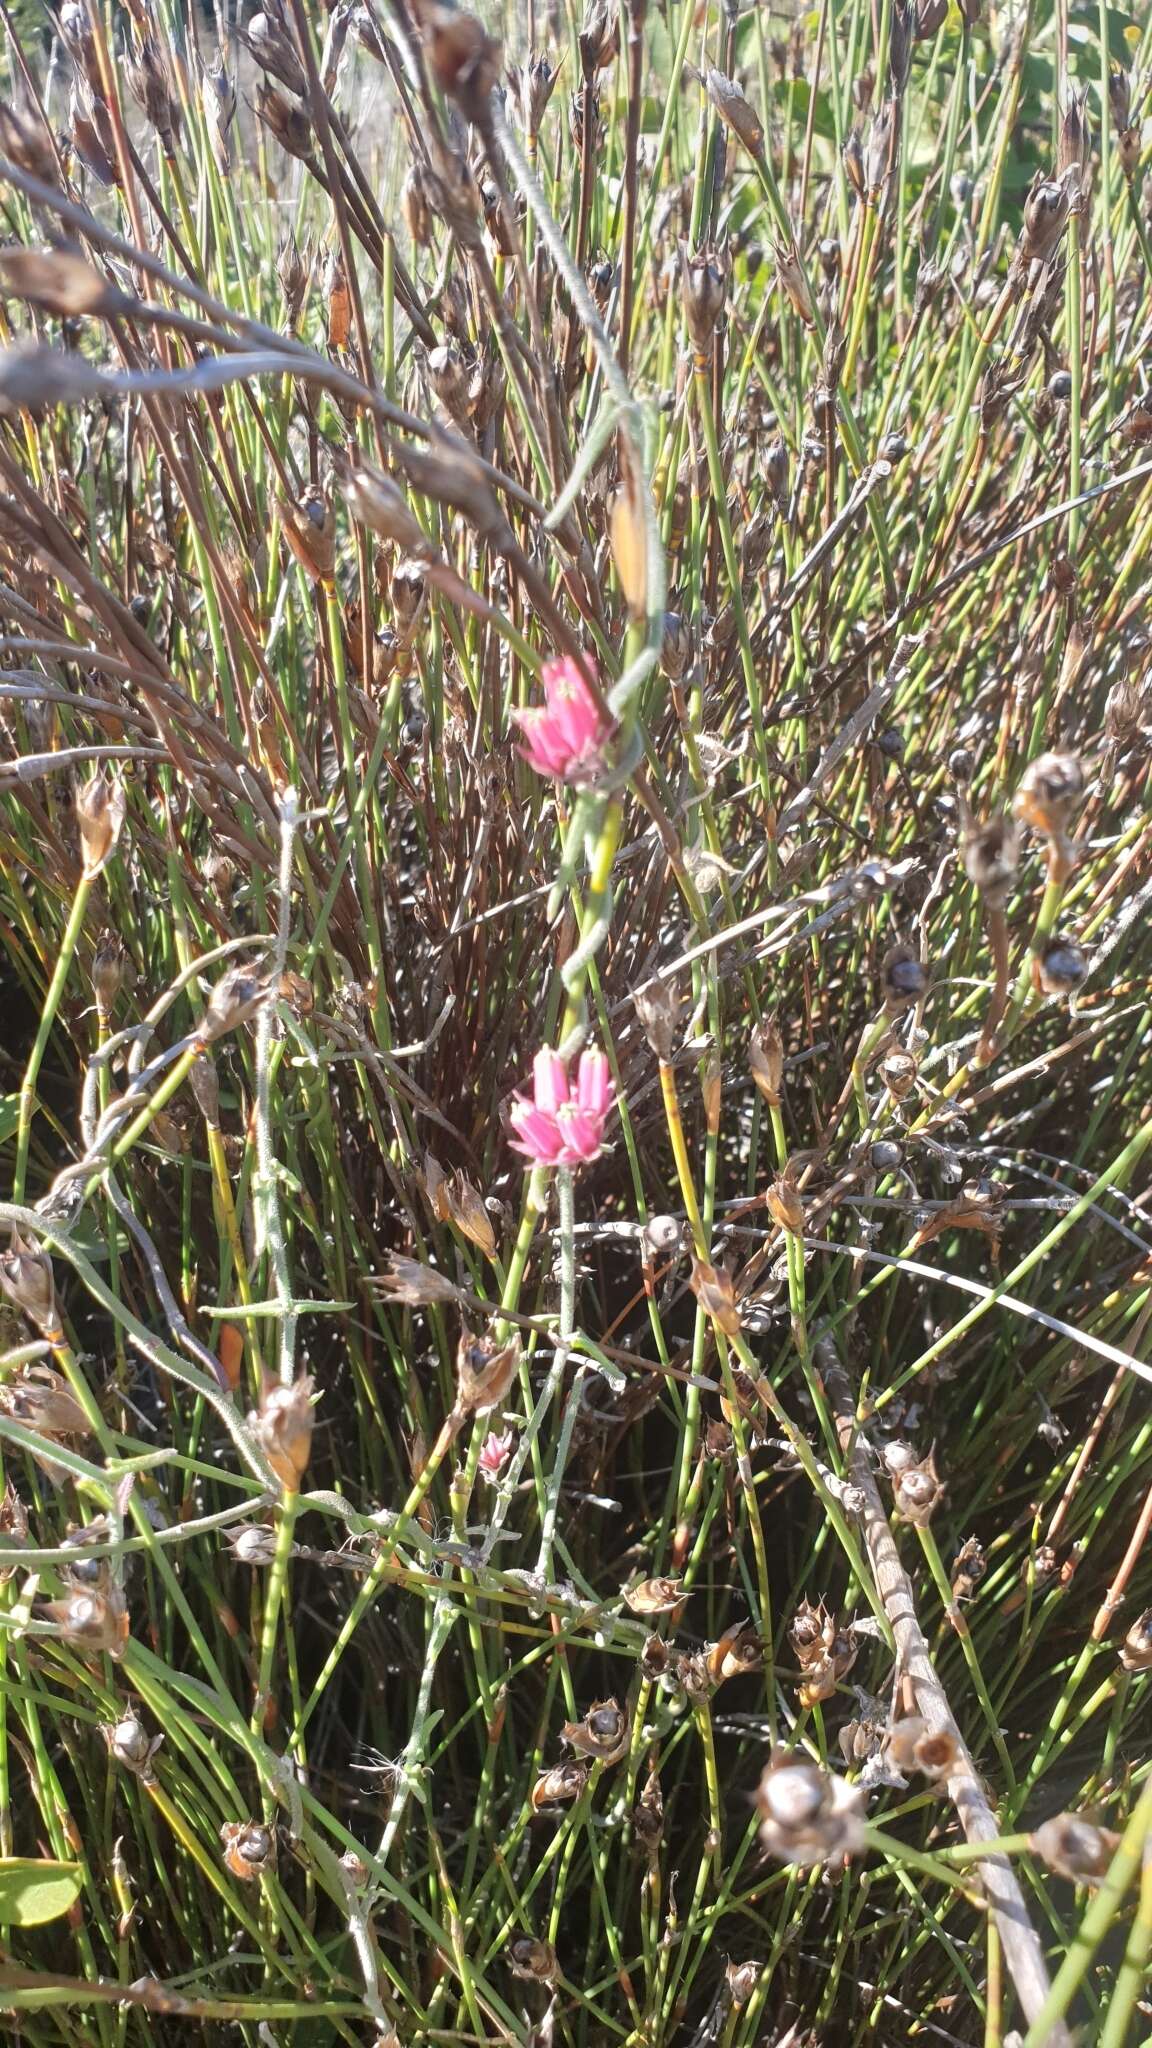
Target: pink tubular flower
(564,737)
(495,1452)
(554,1126)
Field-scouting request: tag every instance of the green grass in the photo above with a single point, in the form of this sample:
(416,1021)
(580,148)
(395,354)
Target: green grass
(308,463)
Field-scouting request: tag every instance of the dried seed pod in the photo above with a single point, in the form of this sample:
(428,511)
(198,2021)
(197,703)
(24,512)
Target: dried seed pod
(235,999)
(534,1959)
(648,1812)
(285,119)
(784,1205)
(913,1746)
(602,1734)
(108,963)
(485,1371)
(968,1569)
(898,1073)
(1075,138)
(559,1786)
(378,503)
(283,1426)
(777,473)
(713,1289)
(1075,1848)
(96,1623)
(535,83)
(678,647)
(852,157)
(741,1980)
(293,272)
(26,1279)
(905,979)
(152,87)
(252,1543)
(880,153)
(654,1596)
(599,37)
(736,111)
(658,1009)
(704,288)
(42,1400)
(132,1747)
(218,105)
(409,592)
(407,1281)
(101,806)
(1046,213)
(466,1209)
(735,1653)
(462,57)
(991,855)
(1061,967)
(766,1061)
(809,1633)
(268,40)
(1050,790)
(978,1206)
(1136,1651)
(917,1492)
(655,1658)
(808,1815)
(249,1849)
(310,531)
(793,282)
(694,1676)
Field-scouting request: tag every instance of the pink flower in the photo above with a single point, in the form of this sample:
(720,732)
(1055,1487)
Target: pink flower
(564,736)
(495,1452)
(555,1127)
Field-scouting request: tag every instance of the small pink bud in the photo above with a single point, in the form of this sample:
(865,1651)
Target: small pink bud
(565,736)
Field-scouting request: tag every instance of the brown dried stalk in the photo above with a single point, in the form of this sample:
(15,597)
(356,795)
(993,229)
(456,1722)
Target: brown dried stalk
(1022,1951)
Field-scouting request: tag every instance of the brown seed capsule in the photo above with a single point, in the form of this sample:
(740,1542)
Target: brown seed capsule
(648,1812)
(628,540)
(1075,138)
(968,1570)
(466,1209)
(677,647)
(694,1676)
(654,1596)
(462,57)
(95,1623)
(1075,1848)
(310,532)
(809,1633)
(100,810)
(736,111)
(235,999)
(414,1285)
(534,1959)
(741,1980)
(26,1279)
(793,282)
(899,1073)
(1050,789)
(535,81)
(408,589)
(912,1746)
(559,1786)
(283,1426)
(599,37)
(108,962)
(132,1747)
(602,1734)
(1061,967)
(249,1849)
(268,39)
(808,1815)
(42,1400)
(905,979)
(735,1653)
(784,1205)
(253,1543)
(218,105)
(655,1658)
(991,856)
(852,157)
(152,88)
(285,120)
(376,502)
(978,1206)
(293,273)
(1136,1652)
(766,1061)
(485,1371)
(658,1009)
(704,287)
(712,1286)
(917,1492)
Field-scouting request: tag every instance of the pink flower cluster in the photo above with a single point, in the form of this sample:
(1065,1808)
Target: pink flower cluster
(564,737)
(556,1126)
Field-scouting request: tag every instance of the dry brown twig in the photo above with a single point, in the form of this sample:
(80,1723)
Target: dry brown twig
(1022,1950)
